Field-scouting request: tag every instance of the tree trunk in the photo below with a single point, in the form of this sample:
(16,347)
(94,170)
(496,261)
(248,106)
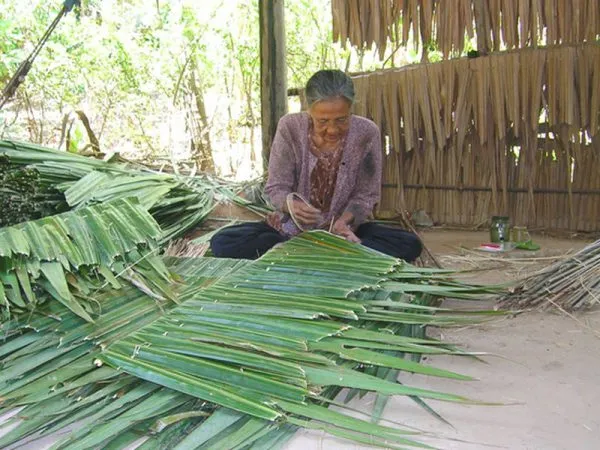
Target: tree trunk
(230,125)
(198,123)
(251,120)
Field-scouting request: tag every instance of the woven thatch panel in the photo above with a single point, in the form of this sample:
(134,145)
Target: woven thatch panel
(501,23)
(513,133)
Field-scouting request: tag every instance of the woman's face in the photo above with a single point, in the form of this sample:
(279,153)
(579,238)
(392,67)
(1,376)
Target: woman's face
(331,118)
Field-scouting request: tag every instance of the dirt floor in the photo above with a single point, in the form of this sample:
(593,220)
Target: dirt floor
(545,367)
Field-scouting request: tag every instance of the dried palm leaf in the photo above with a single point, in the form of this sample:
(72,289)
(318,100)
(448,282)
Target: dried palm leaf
(505,23)
(474,126)
(570,284)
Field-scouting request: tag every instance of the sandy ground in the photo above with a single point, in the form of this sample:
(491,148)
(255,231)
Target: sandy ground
(547,372)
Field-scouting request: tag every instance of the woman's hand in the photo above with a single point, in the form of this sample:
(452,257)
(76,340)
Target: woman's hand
(304,213)
(341,228)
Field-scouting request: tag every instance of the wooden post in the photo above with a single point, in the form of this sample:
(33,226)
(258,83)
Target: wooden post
(273,71)
(482,28)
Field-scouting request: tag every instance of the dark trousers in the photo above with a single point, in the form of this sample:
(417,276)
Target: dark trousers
(253,239)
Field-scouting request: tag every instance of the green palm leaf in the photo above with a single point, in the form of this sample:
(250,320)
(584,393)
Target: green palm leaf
(177,203)
(273,363)
(68,256)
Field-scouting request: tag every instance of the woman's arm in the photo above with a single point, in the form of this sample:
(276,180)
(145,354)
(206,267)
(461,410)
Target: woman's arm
(283,174)
(282,167)
(367,190)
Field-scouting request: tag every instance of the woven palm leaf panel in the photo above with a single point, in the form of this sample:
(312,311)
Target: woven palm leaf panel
(504,24)
(514,133)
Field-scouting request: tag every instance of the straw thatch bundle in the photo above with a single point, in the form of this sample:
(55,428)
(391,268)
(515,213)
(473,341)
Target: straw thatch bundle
(570,284)
(432,101)
(514,133)
(499,23)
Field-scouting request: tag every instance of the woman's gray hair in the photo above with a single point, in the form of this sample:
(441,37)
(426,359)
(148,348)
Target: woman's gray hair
(328,84)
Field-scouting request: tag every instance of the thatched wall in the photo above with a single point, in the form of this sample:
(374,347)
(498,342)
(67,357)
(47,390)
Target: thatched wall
(514,133)
(445,23)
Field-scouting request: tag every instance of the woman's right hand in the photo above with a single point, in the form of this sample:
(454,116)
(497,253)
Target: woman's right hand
(341,228)
(305,214)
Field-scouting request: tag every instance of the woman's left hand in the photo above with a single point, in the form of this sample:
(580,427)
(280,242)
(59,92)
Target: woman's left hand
(341,228)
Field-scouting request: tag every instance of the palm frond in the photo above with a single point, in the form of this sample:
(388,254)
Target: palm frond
(50,367)
(177,203)
(271,341)
(266,374)
(72,255)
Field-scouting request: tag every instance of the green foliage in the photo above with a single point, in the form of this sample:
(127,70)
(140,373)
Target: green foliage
(310,41)
(276,365)
(10,54)
(272,340)
(71,256)
(59,180)
(24,197)
(125,65)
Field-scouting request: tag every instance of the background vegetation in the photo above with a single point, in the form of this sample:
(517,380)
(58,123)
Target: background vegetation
(159,81)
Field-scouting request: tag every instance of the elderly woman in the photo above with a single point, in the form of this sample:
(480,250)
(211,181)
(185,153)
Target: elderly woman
(324,173)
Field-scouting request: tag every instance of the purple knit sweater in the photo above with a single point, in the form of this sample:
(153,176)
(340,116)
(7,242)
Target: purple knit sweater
(358,185)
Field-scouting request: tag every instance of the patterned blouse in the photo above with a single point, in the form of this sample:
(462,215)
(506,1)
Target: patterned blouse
(324,174)
(344,179)
(323,177)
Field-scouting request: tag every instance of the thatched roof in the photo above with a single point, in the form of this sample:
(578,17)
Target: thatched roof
(500,23)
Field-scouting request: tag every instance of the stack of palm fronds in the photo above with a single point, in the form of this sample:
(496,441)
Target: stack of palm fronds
(271,341)
(178,203)
(570,284)
(22,196)
(445,24)
(102,335)
(71,256)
